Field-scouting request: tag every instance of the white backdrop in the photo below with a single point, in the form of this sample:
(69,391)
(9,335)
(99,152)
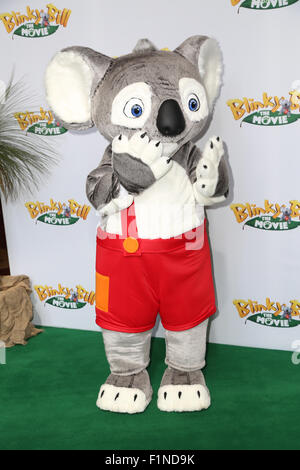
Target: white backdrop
(251,264)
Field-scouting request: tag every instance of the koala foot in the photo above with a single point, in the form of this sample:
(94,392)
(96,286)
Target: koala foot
(207,170)
(148,151)
(183,391)
(125,394)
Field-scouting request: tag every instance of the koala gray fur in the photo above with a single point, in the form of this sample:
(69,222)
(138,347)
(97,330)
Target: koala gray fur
(162,70)
(84,89)
(156,66)
(285,107)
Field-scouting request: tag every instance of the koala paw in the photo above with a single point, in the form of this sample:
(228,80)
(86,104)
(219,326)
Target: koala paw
(207,170)
(148,151)
(120,144)
(116,205)
(183,398)
(121,399)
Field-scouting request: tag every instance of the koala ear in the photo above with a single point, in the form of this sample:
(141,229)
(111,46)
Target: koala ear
(71,79)
(206,55)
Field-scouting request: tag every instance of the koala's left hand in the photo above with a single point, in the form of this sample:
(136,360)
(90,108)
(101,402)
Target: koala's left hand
(207,172)
(138,161)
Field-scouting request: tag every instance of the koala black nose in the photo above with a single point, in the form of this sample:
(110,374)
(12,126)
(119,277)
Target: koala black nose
(170,120)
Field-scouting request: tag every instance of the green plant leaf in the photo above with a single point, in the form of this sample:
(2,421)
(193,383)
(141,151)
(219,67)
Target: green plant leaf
(25,159)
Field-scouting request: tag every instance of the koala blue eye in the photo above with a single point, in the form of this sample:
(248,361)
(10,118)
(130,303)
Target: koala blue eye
(136,110)
(194,103)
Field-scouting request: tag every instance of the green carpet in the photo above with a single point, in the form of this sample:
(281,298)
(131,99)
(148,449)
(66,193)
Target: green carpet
(48,391)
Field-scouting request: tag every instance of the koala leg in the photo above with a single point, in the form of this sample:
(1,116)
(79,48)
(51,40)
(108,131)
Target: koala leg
(128,388)
(183,386)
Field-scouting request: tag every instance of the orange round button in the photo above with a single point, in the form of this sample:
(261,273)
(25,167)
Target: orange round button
(131,245)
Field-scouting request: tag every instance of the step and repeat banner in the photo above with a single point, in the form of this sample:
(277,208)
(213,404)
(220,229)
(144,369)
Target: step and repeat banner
(255,235)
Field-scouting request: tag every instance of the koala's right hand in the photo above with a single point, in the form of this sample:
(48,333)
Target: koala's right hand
(138,161)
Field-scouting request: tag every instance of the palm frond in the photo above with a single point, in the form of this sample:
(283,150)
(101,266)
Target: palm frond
(25,159)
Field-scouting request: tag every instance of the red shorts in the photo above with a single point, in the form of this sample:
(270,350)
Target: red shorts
(138,278)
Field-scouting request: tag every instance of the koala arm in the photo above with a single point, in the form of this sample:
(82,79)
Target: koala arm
(207,171)
(102,184)
(138,161)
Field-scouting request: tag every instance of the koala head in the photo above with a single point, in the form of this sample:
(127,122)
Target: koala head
(285,211)
(285,103)
(168,94)
(286,309)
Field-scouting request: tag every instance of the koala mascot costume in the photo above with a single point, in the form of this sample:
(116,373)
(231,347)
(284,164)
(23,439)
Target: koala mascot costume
(150,189)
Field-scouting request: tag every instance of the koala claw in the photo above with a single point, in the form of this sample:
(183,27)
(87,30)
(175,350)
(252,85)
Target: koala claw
(137,144)
(207,169)
(151,152)
(207,187)
(161,167)
(214,150)
(120,144)
(148,151)
(140,146)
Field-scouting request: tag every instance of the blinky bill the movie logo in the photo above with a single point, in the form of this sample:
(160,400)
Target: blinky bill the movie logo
(270,111)
(272,216)
(35,23)
(263,4)
(273,314)
(58,213)
(42,123)
(66,298)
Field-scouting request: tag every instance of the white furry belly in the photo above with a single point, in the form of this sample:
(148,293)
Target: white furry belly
(164,210)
